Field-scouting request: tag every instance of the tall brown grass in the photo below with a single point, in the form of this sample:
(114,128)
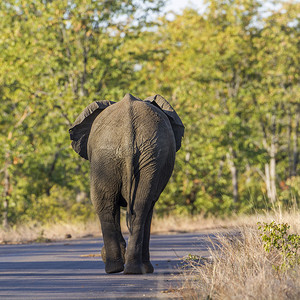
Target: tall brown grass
(58,231)
(167,225)
(240,268)
(35,232)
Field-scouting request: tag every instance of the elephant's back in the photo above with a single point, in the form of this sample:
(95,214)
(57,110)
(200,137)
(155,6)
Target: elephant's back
(130,124)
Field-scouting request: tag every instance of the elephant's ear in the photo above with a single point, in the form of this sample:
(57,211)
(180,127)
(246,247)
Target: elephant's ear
(80,130)
(175,121)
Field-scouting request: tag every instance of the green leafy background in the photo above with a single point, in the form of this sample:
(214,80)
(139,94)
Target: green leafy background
(231,73)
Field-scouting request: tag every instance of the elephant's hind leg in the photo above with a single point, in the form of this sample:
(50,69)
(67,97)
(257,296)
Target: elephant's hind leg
(114,261)
(108,211)
(137,254)
(146,255)
(133,257)
(121,239)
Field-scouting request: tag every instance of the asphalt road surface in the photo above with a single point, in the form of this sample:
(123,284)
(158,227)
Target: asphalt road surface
(73,269)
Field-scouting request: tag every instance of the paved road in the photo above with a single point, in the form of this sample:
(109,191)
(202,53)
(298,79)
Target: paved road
(74,270)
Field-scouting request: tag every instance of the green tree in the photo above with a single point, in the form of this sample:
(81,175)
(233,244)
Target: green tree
(212,66)
(57,57)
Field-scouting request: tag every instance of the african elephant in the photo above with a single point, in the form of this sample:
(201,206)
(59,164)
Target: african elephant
(131,147)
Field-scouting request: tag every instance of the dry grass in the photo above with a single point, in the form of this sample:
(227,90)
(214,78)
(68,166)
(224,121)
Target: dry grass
(49,232)
(166,225)
(239,269)
(242,269)
(24,233)
(173,224)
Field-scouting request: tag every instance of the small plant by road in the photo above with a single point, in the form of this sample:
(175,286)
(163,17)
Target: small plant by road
(262,262)
(278,242)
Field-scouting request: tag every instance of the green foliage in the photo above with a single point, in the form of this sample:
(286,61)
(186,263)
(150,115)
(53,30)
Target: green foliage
(231,73)
(56,57)
(275,239)
(42,239)
(194,259)
(235,90)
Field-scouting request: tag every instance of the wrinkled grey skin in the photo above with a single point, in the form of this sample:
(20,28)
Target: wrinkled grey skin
(131,147)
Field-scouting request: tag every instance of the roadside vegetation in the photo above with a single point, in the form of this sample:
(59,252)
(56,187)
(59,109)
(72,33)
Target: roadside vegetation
(262,261)
(231,72)
(39,232)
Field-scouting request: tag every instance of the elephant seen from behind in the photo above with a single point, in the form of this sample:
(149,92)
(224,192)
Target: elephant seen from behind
(131,146)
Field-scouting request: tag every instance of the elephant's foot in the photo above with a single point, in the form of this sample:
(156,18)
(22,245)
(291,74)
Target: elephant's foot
(148,267)
(134,268)
(123,251)
(114,266)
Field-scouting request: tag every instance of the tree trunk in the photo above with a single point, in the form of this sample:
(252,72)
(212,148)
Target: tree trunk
(289,142)
(6,192)
(270,168)
(221,165)
(268,182)
(295,144)
(273,178)
(234,174)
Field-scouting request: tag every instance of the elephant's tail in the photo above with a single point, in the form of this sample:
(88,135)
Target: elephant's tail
(129,161)
(130,214)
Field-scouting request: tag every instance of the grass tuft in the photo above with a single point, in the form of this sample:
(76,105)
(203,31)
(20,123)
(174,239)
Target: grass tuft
(241,268)
(41,233)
